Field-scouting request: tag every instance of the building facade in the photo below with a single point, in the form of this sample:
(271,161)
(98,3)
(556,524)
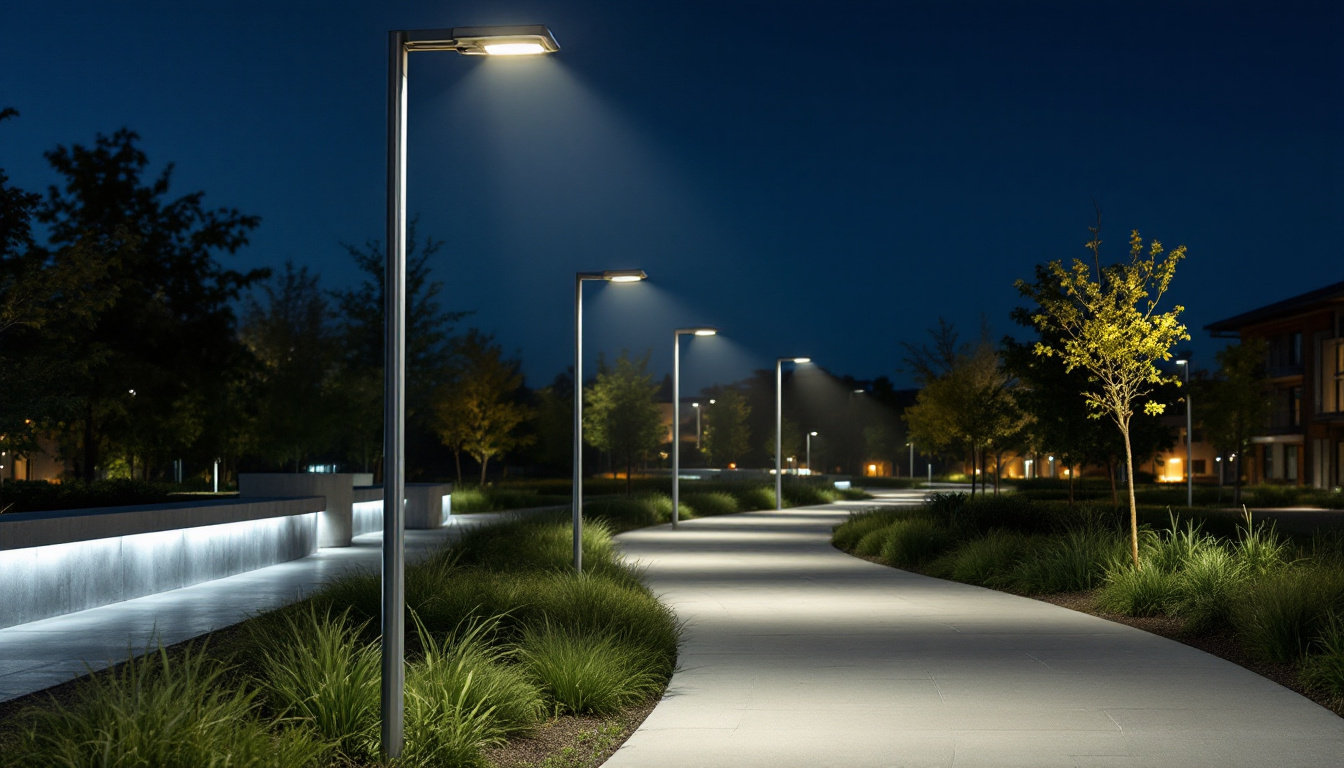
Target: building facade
(1303,443)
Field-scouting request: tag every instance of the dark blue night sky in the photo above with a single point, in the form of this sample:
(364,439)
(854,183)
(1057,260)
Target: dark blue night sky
(821,179)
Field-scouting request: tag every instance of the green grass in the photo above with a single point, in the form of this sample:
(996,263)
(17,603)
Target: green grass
(1073,562)
(1278,615)
(1323,669)
(988,561)
(913,541)
(711,503)
(163,710)
(1136,592)
(588,673)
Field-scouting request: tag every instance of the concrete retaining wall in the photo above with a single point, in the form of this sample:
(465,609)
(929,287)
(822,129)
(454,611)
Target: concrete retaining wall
(59,562)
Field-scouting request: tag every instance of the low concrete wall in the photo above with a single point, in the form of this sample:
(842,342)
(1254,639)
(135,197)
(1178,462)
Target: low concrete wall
(428,505)
(59,562)
(335,525)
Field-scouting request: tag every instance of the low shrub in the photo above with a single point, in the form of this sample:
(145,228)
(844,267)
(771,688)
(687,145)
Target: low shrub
(1206,586)
(711,504)
(625,513)
(806,495)
(913,541)
(40,495)
(848,534)
(1323,669)
(1275,495)
(162,710)
(317,669)
(1260,548)
(755,498)
(989,560)
(1074,562)
(1279,614)
(1136,591)
(587,673)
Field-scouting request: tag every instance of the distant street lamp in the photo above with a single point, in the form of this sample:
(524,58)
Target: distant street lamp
(1052,466)
(1219,460)
(779,425)
(610,276)
(810,435)
(505,41)
(1189,476)
(912,460)
(676,414)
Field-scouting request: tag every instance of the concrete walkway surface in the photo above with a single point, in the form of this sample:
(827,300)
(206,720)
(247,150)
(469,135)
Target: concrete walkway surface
(797,654)
(40,654)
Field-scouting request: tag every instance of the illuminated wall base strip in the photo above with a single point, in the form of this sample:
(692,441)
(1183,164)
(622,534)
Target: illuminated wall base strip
(40,582)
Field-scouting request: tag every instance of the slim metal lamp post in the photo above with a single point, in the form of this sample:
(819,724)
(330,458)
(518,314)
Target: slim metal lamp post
(1189,475)
(779,421)
(512,40)
(810,435)
(676,414)
(912,461)
(610,276)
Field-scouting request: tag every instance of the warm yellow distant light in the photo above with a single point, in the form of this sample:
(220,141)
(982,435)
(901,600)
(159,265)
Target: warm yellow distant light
(514,49)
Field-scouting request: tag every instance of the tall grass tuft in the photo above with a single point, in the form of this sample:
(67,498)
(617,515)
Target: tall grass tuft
(162,710)
(913,541)
(587,673)
(1260,547)
(710,504)
(1280,613)
(989,561)
(756,498)
(1323,669)
(1206,586)
(465,665)
(1136,592)
(1074,562)
(848,534)
(316,669)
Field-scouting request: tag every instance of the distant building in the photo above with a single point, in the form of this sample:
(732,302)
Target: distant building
(1303,443)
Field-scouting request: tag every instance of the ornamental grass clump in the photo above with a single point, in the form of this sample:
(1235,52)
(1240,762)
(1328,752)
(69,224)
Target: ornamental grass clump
(1323,668)
(848,534)
(1136,592)
(1259,547)
(1279,614)
(163,710)
(989,561)
(317,670)
(711,504)
(587,673)
(1205,588)
(913,541)
(755,498)
(1074,562)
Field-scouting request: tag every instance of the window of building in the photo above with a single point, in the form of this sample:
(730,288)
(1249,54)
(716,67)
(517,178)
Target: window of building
(1290,453)
(1269,462)
(1295,348)
(1295,406)
(1199,466)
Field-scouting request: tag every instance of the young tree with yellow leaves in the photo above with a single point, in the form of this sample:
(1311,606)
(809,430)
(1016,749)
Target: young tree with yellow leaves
(1110,327)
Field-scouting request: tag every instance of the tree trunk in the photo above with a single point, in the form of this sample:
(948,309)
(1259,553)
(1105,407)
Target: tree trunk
(629,467)
(998,463)
(1236,481)
(485,460)
(1110,470)
(1133,507)
(90,444)
(1069,471)
(457,459)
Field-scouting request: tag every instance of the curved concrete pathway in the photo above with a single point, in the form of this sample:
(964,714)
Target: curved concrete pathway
(796,654)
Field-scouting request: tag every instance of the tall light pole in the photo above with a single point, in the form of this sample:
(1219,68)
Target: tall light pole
(499,41)
(1189,476)
(779,425)
(610,276)
(912,460)
(810,435)
(676,413)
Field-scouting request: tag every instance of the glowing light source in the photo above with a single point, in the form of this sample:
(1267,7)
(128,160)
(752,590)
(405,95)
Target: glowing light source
(802,359)
(706,332)
(624,275)
(514,49)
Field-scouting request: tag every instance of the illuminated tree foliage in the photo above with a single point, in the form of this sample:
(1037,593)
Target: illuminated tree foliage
(478,411)
(621,413)
(1109,326)
(727,437)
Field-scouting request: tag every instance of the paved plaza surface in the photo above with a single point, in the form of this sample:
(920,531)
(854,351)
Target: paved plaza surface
(797,654)
(44,653)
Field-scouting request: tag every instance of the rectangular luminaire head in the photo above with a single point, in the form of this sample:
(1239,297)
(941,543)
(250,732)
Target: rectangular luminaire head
(519,40)
(706,331)
(624,275)
(802,359)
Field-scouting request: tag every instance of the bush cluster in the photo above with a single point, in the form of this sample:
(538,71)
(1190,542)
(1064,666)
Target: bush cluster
(39,495)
